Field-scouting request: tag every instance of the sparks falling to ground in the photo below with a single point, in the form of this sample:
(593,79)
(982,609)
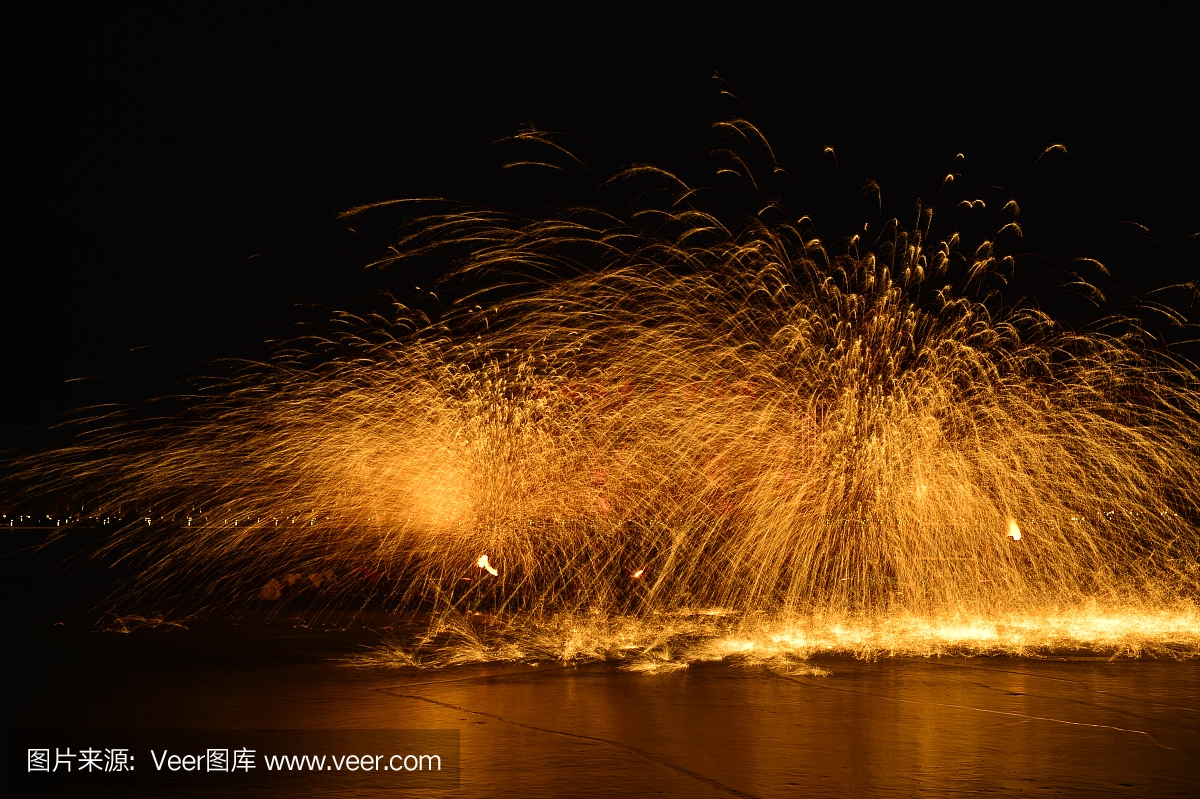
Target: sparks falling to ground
(637,415)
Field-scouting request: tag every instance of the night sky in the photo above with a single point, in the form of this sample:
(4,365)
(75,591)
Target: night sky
(177,178)
(174,176)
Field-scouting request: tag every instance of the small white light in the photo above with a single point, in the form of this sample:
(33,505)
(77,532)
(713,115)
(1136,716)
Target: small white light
(1014,532)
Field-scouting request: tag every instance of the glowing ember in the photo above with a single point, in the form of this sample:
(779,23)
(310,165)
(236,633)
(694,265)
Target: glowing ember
(483,564)
(1014,532)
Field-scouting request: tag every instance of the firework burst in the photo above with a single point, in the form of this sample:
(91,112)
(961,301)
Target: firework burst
(629,417)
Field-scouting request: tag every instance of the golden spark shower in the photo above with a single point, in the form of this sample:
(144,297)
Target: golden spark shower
(643,429)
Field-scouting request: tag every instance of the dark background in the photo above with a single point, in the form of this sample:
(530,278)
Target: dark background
(177,174)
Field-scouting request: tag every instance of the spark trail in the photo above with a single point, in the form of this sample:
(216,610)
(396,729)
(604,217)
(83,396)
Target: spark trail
(730,410)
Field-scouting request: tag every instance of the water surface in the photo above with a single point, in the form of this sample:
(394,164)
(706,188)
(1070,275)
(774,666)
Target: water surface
(898,727)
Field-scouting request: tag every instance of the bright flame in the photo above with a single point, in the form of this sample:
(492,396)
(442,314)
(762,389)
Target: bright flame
(483,564)
(1014,532)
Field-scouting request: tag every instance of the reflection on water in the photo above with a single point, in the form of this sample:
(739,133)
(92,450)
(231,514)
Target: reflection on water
(894,727)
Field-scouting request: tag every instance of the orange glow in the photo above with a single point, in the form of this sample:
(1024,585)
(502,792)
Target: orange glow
(668,641)
(827,441)
(1014,532)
